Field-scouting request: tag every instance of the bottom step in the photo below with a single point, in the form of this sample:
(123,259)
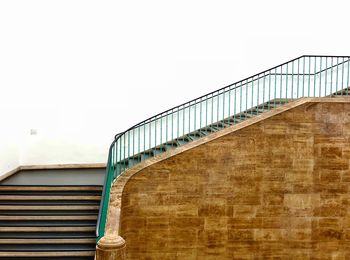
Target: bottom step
(56,255)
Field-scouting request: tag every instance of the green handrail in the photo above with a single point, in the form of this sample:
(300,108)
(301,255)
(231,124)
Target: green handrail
(219,109)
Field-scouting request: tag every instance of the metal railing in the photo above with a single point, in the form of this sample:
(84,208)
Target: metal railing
(305,76)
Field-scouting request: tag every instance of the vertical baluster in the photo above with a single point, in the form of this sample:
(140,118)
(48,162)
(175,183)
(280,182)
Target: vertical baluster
(325,79)
(281,84)
(124,155)
(138,142)
(128,147)
(155,132)
(172,124)
(287,82)
(120,154)
(342,77)
(115,152)
(229,104)
(112,161)
(257,95)
(200,117)
(274,99)
(161,132)
(252,103)
(144,139)
(150,135)
(217,108)
(115,163)
(133,142)
(347,85)
(303,76)
(212,108)
(195,117)
(264,92)
(116,167)
(178,124)
(206,110)
(320,86)
(332,76)
(337,83)
(246,97)
(298,78)
(189,117)
(292,96)
(121,161)
(315,78)
(308,91)
(223,106)
(183,121)
(269,99)
(235,105)
(167,128)
(240,103)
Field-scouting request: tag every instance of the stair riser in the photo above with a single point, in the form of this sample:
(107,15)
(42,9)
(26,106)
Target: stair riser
(53,223)
(51,193)
(47,247)
(47,212)
(48,202)
(43,235)
(12,255)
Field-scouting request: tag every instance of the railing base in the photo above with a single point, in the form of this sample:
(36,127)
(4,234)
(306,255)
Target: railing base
(110,247)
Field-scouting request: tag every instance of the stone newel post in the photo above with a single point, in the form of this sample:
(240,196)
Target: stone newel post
(110,248)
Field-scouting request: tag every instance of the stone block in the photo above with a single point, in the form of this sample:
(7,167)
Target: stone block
(187,223)
(244,223)
(215,223)
(240,235)
(327,234)
(187,210)
(244,199)
(270,235)
(212,207)
(330,210)
(157,223)
(244,211)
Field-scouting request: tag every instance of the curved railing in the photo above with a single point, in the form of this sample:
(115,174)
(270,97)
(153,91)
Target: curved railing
(305,76)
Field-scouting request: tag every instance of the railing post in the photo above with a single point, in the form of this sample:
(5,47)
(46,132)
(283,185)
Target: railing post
(111,248)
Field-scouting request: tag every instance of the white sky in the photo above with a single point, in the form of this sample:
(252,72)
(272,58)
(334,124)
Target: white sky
(71,61)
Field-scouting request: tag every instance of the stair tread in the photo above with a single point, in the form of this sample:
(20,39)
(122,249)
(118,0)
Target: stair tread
(50,197)
(73,217)
(47,229)
(49,188)
(46,254)
(49,207)
(48,241)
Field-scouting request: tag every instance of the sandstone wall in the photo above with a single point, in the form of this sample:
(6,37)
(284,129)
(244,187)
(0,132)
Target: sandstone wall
(277,189)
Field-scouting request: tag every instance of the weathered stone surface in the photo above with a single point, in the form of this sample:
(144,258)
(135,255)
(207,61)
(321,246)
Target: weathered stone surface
(277,189)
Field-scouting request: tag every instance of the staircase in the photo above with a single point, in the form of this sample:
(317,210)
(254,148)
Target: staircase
(48,222)
(305,76)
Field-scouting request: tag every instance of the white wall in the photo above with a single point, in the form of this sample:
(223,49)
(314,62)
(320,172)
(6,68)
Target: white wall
(10,138)
(80,135)
(81,71)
